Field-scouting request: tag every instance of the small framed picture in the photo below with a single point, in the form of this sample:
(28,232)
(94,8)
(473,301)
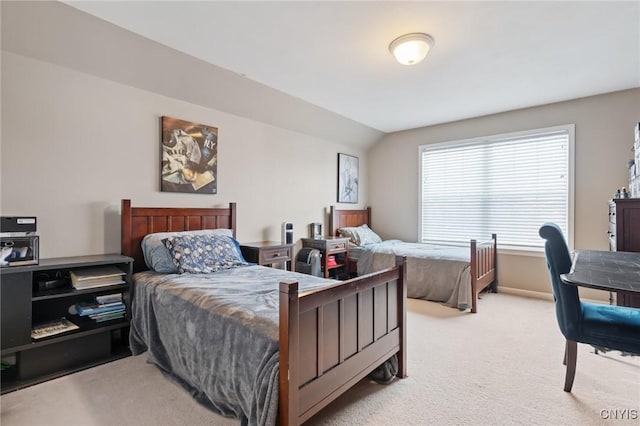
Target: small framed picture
(347,178)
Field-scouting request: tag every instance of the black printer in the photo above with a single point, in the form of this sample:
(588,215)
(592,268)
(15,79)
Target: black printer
(18,241)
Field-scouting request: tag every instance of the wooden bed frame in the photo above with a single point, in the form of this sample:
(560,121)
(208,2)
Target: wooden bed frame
(329,338)
(483,254)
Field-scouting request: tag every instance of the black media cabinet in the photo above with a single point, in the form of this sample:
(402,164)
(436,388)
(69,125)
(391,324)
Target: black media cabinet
(25,304)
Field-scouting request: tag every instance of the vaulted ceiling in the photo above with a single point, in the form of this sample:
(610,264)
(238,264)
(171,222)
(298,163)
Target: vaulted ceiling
(488,57)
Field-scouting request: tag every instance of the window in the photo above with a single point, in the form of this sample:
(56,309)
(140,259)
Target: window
(505,184)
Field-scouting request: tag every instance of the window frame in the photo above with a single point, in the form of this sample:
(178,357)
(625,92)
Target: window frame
(528,251)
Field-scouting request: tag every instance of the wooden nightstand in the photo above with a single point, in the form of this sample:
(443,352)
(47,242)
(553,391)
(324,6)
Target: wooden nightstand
(331,246)
(268,253)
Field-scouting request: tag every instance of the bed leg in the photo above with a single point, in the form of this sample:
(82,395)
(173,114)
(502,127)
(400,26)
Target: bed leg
(288,346)
(401,261)
(474,301)
(474,276)
(494,284)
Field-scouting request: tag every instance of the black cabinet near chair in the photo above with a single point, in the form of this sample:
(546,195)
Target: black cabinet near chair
(624,235)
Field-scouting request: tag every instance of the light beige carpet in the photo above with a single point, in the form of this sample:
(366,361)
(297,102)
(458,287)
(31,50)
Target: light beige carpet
(500,366)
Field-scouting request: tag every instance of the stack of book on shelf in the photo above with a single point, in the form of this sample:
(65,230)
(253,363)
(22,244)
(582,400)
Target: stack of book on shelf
(106,307)
(99,276)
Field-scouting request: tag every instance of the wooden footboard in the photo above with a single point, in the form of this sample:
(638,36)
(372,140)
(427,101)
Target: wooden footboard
(484,259)
(333,337)
(483,256)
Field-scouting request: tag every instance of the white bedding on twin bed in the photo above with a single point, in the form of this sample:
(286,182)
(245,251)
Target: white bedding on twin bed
(434,272)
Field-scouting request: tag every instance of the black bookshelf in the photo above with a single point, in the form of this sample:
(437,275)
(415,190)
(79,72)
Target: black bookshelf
(25,304)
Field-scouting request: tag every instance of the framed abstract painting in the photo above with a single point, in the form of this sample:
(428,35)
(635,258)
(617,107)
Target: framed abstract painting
(189,157)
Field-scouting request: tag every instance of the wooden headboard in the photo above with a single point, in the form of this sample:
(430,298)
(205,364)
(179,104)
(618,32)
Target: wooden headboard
(140,221)
(343,218)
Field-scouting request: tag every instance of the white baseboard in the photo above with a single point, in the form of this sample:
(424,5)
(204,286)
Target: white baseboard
(541,295)
(525,293)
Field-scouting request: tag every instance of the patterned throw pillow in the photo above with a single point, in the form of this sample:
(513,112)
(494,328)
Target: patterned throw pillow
(156,255)
(351,233)
(203,254)
(360,235)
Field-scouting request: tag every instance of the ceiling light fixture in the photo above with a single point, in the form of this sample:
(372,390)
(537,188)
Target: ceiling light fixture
(410,49)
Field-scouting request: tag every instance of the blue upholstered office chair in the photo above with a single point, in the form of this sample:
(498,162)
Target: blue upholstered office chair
(608,326)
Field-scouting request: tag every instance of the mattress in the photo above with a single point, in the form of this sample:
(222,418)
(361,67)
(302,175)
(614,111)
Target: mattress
(440,273)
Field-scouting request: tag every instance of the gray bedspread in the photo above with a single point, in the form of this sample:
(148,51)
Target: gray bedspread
(216,335)
(434,272)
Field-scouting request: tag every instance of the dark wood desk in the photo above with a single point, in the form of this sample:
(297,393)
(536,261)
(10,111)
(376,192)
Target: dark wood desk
(615,271)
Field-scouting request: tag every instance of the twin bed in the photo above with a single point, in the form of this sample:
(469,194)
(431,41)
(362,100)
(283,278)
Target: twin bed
(449,274)
(263,345)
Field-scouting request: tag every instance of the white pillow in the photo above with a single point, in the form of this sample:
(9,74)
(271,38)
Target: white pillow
(367,236)
(156,254)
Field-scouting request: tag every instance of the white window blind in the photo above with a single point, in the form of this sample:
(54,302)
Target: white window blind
(508,185)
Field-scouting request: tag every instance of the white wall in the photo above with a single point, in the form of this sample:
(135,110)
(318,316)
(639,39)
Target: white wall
(604,137)
(73,145)
(81,107)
